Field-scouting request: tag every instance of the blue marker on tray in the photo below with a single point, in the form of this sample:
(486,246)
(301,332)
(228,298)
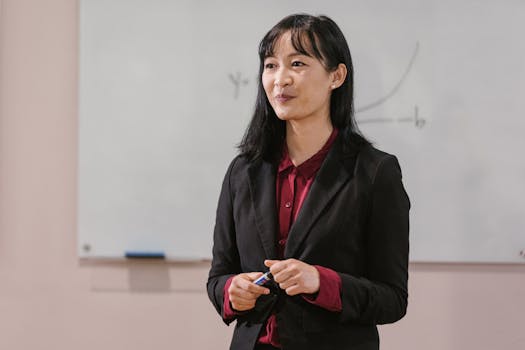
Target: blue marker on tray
(263,279)
(144,255)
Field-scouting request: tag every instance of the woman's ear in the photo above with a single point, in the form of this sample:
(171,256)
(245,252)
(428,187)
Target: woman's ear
(338,76)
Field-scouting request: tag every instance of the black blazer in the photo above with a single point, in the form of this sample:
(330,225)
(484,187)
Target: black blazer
(354,221)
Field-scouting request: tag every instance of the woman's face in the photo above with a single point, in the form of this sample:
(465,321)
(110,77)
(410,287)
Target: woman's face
(297,86)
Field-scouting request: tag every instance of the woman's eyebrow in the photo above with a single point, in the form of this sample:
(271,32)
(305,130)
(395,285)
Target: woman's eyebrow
(293,54)
(296,53)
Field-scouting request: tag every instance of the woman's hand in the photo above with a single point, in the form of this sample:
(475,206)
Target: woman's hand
(294,276)
(244,293)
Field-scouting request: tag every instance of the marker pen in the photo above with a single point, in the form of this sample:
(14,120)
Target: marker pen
(263,279)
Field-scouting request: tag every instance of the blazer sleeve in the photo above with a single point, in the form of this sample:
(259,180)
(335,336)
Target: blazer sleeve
(225,262)
(380,296)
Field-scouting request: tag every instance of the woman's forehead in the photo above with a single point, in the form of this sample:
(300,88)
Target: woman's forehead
(288,42)
(283,44)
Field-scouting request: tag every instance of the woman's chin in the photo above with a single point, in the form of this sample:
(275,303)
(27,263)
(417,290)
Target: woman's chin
(286,116)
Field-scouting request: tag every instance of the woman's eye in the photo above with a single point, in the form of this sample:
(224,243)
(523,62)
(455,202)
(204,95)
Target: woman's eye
(269,66)
(297,64)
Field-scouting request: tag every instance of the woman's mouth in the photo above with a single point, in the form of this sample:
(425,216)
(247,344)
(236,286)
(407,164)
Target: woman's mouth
(282,98)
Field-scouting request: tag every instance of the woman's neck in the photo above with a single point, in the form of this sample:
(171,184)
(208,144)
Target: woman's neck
(305,138)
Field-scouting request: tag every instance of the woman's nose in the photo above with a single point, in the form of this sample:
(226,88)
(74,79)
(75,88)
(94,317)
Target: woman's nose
(282,78)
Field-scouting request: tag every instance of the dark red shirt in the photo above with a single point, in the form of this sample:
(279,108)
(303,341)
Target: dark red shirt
(292,186)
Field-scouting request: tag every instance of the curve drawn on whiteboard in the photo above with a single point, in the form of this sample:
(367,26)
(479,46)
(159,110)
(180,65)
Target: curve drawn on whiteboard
(415,119)
(419,122)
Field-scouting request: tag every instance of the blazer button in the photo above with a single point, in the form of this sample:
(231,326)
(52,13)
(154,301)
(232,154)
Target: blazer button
(287,204)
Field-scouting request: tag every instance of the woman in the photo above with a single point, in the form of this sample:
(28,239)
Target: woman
(310,200)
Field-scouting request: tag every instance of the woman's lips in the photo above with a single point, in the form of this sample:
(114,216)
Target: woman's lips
(282,98)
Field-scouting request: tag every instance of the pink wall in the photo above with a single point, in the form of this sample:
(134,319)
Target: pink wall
(48,300)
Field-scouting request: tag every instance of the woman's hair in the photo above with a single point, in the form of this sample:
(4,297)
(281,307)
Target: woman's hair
(319,37)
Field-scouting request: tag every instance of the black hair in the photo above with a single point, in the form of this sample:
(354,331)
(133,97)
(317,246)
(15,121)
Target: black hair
(319,37)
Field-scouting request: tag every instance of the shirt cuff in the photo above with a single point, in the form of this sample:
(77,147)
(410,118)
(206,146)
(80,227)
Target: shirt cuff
(329,295)
(227,310)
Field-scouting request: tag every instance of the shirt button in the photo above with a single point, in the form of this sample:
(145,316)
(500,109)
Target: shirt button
(287,204)
(282,242)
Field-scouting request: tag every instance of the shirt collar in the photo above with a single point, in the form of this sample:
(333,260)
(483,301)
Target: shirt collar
(310,166)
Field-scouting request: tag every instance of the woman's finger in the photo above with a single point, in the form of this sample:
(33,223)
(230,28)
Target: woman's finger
(294,290)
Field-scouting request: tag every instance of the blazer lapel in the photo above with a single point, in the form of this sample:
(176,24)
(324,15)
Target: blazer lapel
(332,175)
(262,189)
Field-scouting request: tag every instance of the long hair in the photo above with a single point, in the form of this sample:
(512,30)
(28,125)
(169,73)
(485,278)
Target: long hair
(319,37)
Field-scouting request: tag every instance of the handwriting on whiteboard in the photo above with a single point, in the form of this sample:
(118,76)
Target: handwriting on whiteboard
(238,81)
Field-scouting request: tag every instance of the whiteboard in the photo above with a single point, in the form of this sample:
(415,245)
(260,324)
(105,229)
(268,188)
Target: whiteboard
(166,89)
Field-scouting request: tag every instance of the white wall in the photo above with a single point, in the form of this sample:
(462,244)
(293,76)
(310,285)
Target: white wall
(48,300)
